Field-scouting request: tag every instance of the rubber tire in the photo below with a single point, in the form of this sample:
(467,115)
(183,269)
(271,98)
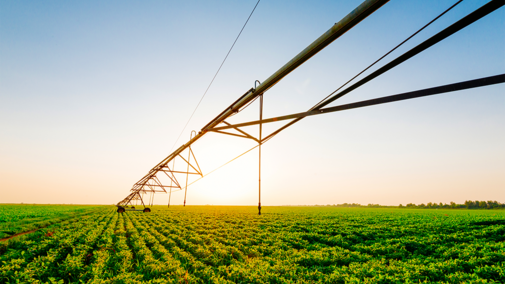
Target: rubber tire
(147,210)
(120,210)
(133,208)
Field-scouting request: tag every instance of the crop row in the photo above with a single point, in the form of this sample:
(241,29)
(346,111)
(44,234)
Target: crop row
(21,218)
(294,245)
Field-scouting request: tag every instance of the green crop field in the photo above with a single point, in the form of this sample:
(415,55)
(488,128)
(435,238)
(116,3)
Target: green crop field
(211,244)
(16,219)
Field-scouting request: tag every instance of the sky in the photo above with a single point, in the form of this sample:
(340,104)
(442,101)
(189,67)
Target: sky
(93,94)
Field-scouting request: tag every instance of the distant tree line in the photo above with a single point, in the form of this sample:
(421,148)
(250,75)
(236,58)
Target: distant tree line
(469,204)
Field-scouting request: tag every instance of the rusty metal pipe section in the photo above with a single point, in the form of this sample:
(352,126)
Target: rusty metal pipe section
(357,15)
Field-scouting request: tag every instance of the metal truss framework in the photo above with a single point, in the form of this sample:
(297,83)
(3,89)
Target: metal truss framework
(155,180)
(152,183)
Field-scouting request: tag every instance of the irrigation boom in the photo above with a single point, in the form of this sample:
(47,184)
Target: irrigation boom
(152,183)
(358,14)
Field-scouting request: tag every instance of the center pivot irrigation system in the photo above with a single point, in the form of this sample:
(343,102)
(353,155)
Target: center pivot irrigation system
(154,182)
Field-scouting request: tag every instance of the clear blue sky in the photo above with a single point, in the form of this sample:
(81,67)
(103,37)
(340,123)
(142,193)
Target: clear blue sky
(93,94)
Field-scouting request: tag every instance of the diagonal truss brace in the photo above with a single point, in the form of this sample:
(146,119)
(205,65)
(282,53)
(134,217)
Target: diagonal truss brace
(151,183)
(457,26)
(345,24)
(245,134)
(361,12)
(497,79)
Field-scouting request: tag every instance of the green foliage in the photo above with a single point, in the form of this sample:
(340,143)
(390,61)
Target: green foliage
(285,245)
(16,218)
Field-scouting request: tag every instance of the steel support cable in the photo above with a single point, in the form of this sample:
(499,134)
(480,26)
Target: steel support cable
(389,52)
(475,83)
(316,106)
(345,24)
(215,75)
(219,167)
(452,29)
(488,8)
(410,95)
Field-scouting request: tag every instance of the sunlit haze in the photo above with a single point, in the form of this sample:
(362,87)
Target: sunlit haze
(93,94)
